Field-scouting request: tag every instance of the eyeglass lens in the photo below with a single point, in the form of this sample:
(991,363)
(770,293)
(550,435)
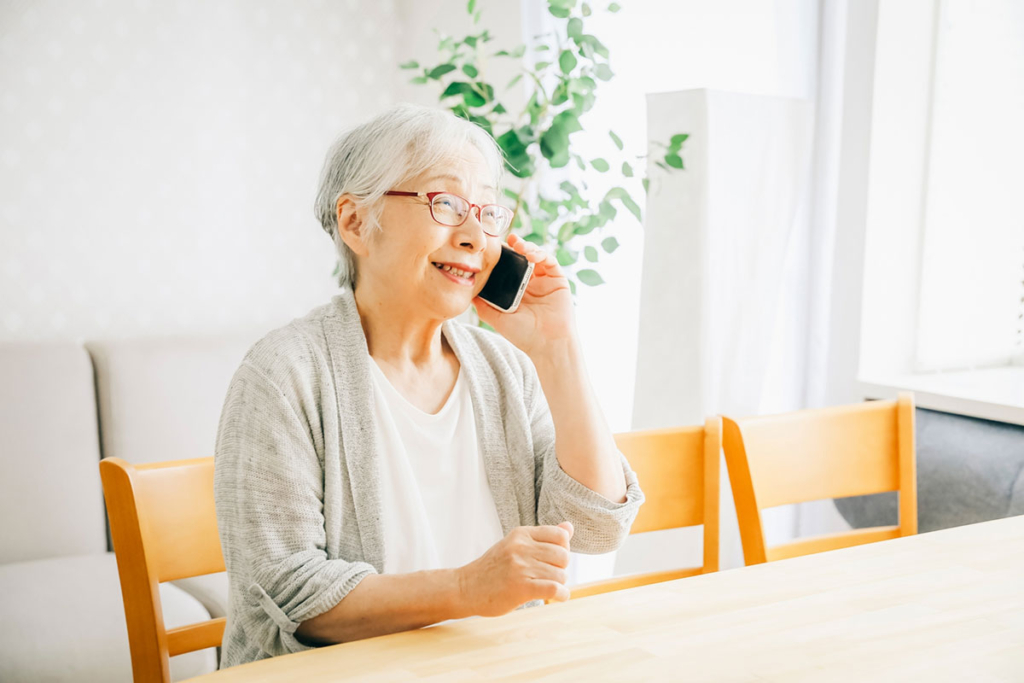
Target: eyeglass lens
(451,210)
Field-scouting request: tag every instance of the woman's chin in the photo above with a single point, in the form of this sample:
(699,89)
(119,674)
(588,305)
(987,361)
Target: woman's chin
(452,306)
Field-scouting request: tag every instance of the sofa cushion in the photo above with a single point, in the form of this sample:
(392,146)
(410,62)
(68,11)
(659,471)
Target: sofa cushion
(160,398)
(51,502)
(63,620)
(211,590)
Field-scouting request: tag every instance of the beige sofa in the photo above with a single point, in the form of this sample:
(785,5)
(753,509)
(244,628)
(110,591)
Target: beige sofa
(63,406)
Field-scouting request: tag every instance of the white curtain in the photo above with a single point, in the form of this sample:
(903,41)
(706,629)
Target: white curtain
(775,354)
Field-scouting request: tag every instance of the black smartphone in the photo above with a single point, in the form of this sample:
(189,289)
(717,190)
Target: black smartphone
(508,280)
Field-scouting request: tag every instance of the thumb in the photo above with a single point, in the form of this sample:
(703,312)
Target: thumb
(568,527)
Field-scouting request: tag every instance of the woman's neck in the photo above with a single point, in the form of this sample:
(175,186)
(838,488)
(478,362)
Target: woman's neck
(398,336)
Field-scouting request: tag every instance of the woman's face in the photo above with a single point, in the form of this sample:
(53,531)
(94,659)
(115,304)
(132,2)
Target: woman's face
(403,258)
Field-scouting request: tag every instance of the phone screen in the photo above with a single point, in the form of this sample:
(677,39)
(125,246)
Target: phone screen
(503,284)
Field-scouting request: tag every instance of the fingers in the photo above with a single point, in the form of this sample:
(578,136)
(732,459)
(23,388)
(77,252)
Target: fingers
(554,555)
(544,263)
(552,591)
(558,535)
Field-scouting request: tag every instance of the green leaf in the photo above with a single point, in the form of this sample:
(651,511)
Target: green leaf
(628,202)
(561,93)
(565,257)
(676,141)
(627,170)
(409,65)
(614,7)
(419,80)
(470,40)
(540,66)
(589,277)
(535,238)
(559,12)
(554,145)
(586,9)
(587,225)
(499,108)
(606,210)
(473,99)
(575,28)
(518,159)
(594,45)
(609,244)
(604,72)
(581,163)
(456,88)
(470,6)
(514,81)
(599,164)
(568,121)
(647,184)
(439,71)
(476,17)
(674,160)
(566,61)
(590,254)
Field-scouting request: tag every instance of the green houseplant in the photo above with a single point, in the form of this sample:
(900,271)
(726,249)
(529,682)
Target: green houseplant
(562,79)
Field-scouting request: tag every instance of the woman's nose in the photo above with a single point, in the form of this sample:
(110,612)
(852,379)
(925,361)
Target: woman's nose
(471,233)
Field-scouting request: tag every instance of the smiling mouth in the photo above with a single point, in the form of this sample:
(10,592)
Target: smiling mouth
(458,275)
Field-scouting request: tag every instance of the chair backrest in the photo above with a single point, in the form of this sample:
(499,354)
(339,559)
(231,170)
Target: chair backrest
(164,527)
(678,469)
(817,454)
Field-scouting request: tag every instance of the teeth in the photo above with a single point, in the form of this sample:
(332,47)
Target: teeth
(455,271)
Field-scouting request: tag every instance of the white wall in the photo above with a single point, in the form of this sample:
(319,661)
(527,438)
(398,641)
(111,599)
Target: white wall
(159,160)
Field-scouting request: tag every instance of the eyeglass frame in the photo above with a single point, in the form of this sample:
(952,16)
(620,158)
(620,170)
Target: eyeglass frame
(479,214)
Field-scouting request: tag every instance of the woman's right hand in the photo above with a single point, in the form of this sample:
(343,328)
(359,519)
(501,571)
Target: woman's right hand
(528,564)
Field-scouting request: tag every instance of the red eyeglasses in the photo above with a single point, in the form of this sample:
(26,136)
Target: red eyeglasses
(452,210)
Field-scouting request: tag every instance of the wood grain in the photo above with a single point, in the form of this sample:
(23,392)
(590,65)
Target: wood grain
(941,606)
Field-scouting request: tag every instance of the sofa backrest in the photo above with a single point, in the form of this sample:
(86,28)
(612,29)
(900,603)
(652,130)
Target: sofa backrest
(160,398)
(51,502)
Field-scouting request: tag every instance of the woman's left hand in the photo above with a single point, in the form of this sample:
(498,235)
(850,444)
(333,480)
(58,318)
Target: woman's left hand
(545,314)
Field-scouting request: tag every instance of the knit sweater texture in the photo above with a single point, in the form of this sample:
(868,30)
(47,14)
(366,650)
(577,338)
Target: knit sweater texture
(297,483)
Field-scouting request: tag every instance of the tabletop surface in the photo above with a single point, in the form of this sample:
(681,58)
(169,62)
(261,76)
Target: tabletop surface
(942,606)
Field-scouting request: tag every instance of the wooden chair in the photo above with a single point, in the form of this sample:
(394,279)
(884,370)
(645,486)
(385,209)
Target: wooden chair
(816,454)
(164,527)
(679,472)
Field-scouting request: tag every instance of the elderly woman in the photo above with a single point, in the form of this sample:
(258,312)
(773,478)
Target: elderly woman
(381,467)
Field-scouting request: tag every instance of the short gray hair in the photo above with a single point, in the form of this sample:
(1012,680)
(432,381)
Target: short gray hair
(377,156)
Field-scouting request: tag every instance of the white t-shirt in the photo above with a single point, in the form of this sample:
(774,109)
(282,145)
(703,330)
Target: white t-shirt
(437,505)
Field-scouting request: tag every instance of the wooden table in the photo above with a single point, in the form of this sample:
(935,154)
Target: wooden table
(943,606)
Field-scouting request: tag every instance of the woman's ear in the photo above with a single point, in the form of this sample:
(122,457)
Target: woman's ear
(351,224)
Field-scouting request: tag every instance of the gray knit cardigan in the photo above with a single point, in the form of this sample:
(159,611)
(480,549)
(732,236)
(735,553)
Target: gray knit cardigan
(296,480)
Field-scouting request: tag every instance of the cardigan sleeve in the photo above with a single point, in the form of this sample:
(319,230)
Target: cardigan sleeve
(599,524)
(269,492)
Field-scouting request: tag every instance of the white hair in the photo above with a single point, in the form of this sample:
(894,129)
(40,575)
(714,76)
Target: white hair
(379,155)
